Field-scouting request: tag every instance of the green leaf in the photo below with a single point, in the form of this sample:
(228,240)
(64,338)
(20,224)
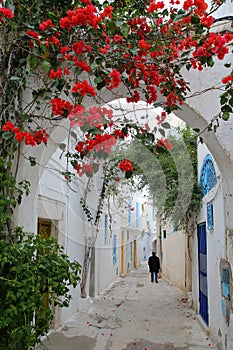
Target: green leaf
(62,146)
(226,108)
(13,78)
(99,86)
(98,80)
(125,28)
(32,161)
(7,135)
(162,132)
(227,65)
(225,116)
(210,62)
(195,20)
(128,174)
(196,130)
(166,125)
(46,66)
(223,99)
(74,135)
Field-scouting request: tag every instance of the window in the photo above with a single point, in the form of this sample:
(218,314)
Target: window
(210,216)
(208,178)
(225,282)
(114,261)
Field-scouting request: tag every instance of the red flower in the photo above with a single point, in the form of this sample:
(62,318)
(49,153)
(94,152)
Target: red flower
(55,40)
(5,13)
(115,79)
(107,12)
(79,146)
(227,79)
(155,6)
(125,165)
(82,65)
(134,98)
(84,88)
(161,118)
(64,50)
(9,126)
(19,135)
(40,136)
(55,74)
(59,106)
(165,143)
(32,34)
(44,25)
(78,47)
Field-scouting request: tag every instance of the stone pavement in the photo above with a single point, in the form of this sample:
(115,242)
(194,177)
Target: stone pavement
(134,314)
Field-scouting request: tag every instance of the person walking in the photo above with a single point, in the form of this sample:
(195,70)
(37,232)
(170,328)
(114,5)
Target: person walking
(154,267)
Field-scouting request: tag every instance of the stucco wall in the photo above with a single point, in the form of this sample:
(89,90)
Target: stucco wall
(216,250)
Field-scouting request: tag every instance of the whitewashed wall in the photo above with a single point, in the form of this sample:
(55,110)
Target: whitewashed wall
(216,250)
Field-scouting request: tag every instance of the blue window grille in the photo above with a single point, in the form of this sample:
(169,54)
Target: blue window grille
(208,178)
(137,214)
(225,282)
(210,216)
(129,212)
(224,309)
(105,229)
(114,249)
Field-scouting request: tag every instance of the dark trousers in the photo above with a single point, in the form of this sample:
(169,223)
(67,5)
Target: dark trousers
(154,276)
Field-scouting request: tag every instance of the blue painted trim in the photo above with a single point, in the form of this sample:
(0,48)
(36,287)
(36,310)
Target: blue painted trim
(210,215)
(105,229)
(114,260)
(208,177)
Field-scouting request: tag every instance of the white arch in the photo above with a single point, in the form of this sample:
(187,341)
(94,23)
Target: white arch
(196,112)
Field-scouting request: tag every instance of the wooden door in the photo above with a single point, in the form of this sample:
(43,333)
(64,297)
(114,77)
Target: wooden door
(134,254)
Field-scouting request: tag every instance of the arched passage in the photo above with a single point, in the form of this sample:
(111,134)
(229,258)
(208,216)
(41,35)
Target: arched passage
(197,112)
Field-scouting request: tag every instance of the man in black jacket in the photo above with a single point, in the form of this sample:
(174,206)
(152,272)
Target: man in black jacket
(154,267)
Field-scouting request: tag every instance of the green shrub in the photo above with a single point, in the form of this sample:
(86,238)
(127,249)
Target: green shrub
(34,275)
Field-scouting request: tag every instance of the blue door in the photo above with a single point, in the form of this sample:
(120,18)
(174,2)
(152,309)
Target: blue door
(202,262)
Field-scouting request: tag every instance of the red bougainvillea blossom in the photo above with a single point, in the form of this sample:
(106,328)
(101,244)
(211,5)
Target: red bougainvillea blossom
(125,165)
(83,88)
(92,50)
(84,169)
(5,13)
(227,79)
(36,138)
(165,143)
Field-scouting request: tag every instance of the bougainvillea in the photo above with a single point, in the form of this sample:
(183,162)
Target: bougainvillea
(91,47)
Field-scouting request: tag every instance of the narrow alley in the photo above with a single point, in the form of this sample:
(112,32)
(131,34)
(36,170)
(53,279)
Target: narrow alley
(134,314)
